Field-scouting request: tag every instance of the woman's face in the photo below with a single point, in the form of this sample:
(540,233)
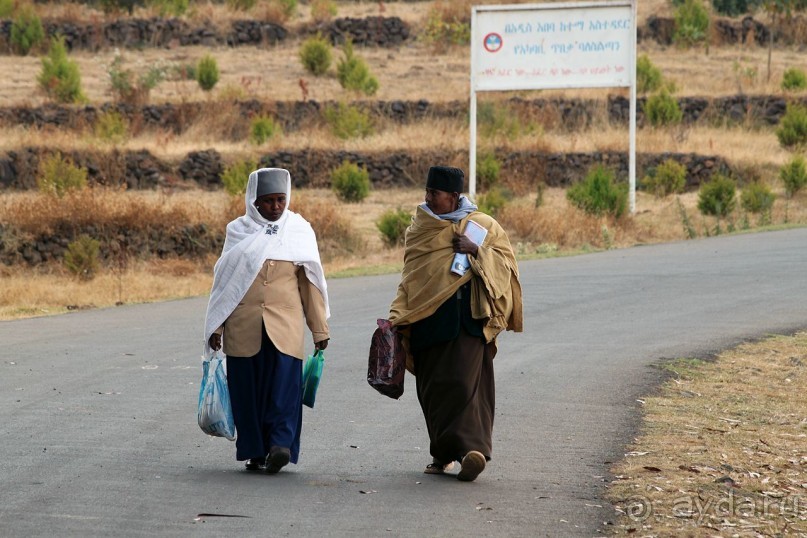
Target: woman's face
(441,202)
(271,206)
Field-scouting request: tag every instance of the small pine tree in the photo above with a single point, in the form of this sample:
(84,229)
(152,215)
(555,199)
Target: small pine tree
(717,197)
(794,79)
(669,177)
(58,175)
(662,109)
(392,225)
(792,130)
(26,31)
(60,77)
(236,176)
(691,23)
(648,76)
(263,128)
(353,73)
(599,194)
(757,197)
(207,73)
(82,257)
(315,55)
(350,183)
(794,176)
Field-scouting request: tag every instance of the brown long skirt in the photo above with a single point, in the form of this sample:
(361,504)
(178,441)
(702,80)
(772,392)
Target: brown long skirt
(457,393)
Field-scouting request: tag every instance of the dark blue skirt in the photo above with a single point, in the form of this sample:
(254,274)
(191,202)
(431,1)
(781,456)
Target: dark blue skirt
(266,395)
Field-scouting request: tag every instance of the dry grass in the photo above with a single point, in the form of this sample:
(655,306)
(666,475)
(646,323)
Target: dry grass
(349,240)
(722,448)
(52,290)
(402,72)
(738,145)
(35,213)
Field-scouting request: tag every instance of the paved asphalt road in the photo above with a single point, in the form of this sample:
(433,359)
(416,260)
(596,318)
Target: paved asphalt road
(99,434)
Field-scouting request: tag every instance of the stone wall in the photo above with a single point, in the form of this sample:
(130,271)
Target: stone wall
(189,241)
(311,168)
(760,110)
(162,33)
(368,31)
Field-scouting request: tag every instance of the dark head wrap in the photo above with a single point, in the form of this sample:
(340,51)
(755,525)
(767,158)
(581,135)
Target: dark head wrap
(445,178)
(271,182)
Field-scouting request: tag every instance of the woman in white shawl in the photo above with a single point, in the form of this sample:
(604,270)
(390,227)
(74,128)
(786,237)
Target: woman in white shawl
(267,282)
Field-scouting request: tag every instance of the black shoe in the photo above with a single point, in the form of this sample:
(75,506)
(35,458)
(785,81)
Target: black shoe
(278,458)
(254,464)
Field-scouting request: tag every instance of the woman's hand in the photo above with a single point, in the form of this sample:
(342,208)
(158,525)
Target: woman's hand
(463,245)
(322,344)
(215,341)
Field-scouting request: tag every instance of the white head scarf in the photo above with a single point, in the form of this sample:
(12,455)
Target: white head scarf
(250,241)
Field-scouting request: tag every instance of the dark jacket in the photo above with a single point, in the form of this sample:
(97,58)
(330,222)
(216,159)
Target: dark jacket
(444,325)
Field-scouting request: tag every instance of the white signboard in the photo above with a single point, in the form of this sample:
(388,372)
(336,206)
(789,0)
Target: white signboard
(550,46)
(528,46)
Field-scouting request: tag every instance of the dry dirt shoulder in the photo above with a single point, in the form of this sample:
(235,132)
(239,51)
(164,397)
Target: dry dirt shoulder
(721,449)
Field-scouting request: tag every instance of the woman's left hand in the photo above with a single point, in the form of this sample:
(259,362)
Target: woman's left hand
(322,344)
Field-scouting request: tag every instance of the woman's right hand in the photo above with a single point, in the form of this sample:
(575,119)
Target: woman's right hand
(215,341)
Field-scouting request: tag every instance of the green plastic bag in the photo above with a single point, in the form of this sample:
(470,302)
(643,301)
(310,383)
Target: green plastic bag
(312,372)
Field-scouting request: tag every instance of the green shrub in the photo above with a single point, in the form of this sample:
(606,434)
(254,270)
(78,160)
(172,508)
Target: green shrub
(322,10)
(262,129)
(599,194)
(691,23)
(60,77)
(127,88)
(493,200)
(6,8)
(756,197)
(241,5)
(792,130)
(207,73)
(733,8)
(717,197)
(393,224)
(443,28)
(794,79)
(488,169)
(794,176)
(111,127)
(669,177)
(494,119)
(353,73)
(26,31)
(350,183)
(315,55)
(235,177)
(288,7)
(82,257)
(347,121)
(662,109)
(170,8)
(648,76)
(114,6)
(58,175)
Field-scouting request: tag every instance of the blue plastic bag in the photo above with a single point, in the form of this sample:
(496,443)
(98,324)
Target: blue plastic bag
(215,415)
(312,372)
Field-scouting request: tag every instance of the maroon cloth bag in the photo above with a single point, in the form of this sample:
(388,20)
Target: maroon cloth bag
(387,364)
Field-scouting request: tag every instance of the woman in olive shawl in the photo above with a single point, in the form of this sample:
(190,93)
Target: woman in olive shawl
(450,321)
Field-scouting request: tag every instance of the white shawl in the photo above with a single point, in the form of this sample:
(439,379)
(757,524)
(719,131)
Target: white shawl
(250,241)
